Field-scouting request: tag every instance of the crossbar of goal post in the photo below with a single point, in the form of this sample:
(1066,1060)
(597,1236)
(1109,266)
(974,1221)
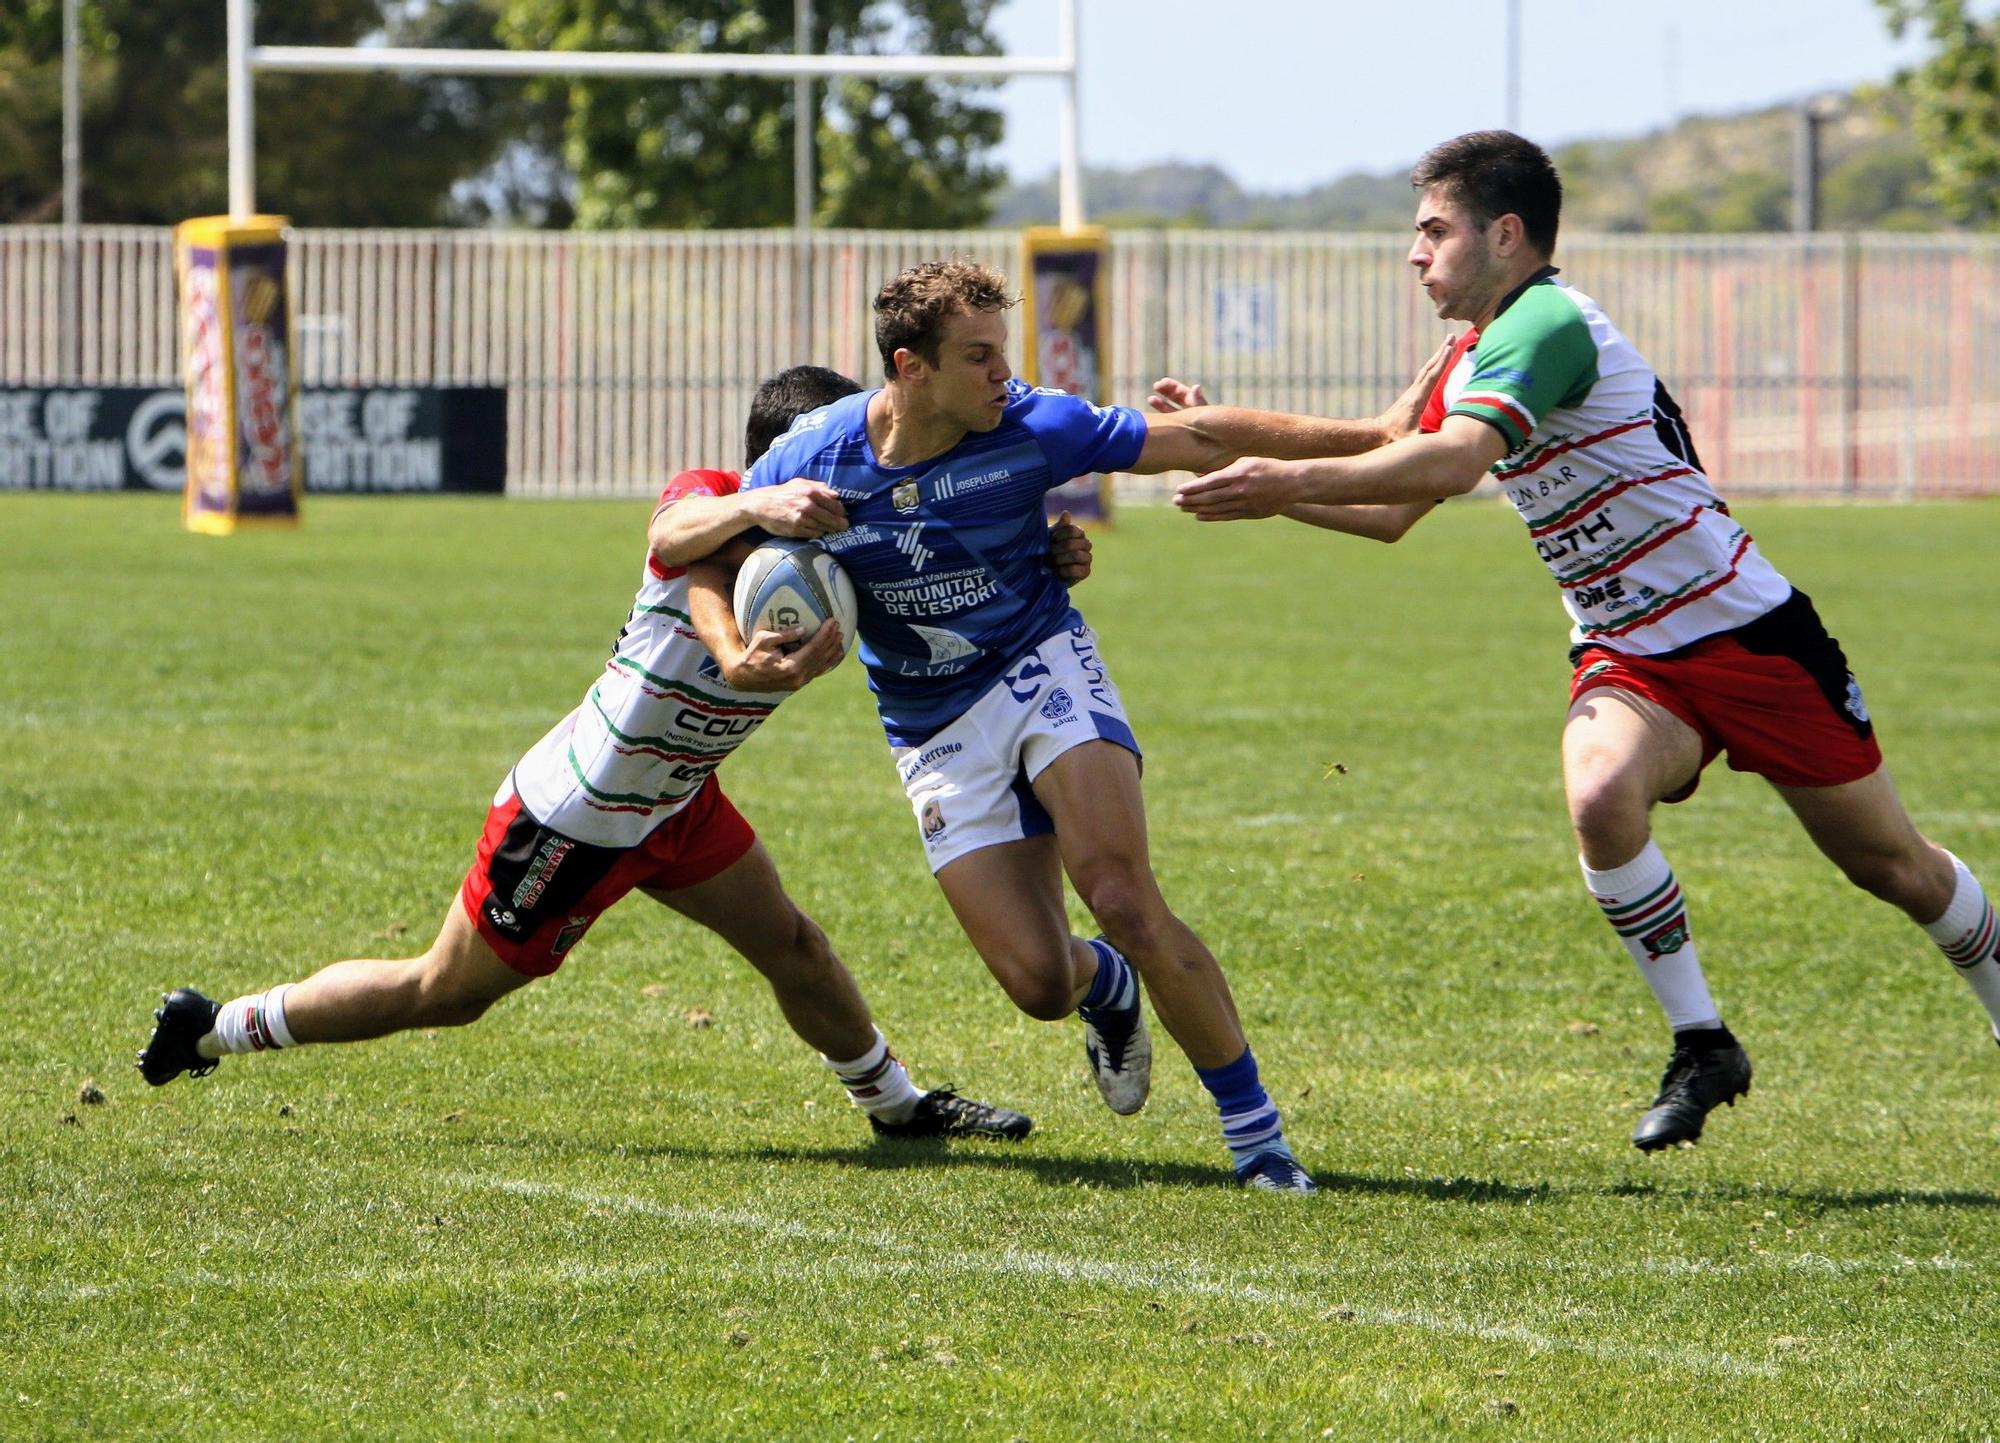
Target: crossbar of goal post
(246,57)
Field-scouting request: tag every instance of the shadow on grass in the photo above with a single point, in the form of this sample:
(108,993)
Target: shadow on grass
(1832,1199)
(884,1155)
(901,1155)
(1064,1171)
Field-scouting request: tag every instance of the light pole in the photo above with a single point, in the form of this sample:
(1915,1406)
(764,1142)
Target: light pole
(72,192)
(1819,111)
(1514,66)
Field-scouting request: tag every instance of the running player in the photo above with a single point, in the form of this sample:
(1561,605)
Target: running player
(620,795)
(1687,643)
(1007,731)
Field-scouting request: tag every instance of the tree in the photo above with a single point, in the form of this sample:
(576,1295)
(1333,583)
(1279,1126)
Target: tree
(331,150)
(718,152)
(1955,96)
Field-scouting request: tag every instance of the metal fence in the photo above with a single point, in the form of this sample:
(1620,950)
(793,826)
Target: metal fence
(1825,365)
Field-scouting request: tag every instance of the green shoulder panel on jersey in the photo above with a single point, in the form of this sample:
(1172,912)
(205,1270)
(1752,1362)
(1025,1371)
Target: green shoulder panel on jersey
(1533,358)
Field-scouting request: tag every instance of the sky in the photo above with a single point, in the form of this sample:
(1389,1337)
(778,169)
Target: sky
(1286,94)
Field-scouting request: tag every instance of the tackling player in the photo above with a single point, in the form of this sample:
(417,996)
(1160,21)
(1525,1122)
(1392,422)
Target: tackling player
(620,795)
(1687,643)
(1007,731)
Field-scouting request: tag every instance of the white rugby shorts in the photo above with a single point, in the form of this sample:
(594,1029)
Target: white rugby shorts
(970,786)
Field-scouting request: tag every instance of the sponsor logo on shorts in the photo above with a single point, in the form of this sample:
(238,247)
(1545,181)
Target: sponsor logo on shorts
(923,761)
(569,936)
(1596,668)
(535,880)
(1084,647)
(1668,939)
(503,920)
(1058,705)
(904,496)
(931,818)
(1020,682)
(1856,707)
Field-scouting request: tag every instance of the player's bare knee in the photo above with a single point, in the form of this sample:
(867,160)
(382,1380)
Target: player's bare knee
(1041,985)
(794,951)
(1130,911)
(442,998)
(1044,998)
(1605,809)
(1903,879)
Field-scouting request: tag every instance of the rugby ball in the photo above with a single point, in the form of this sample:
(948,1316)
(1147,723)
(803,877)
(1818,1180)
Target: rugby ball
(794,583)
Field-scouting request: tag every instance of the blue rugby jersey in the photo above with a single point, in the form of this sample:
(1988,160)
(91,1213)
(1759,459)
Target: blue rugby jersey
(949,557)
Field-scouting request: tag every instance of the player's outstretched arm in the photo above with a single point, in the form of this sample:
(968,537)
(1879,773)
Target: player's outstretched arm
(763,663)
(1186,433)
(1203,438)
(1448,462)
(1373,523)
(688,527)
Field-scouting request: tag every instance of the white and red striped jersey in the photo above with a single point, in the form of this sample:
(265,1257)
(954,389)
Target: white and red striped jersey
(652,727)
(1602,469)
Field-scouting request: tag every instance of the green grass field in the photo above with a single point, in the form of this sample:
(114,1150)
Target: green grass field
(226,762)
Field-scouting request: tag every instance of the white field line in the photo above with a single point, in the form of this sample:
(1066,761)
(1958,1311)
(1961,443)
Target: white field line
(1186,1280)
(1181,1280)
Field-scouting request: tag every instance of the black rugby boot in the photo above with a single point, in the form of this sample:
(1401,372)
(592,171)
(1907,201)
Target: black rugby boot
(1699,1077)
(183,1019)
(944,1113)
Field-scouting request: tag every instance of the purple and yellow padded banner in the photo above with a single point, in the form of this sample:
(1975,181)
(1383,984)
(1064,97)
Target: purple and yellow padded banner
(243,457)
(1068,340)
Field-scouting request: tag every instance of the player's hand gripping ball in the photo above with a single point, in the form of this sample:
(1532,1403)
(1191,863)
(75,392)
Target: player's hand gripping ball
(794,583)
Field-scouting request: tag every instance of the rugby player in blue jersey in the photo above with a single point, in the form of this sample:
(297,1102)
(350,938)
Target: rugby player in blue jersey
(621,796)
(1006,729)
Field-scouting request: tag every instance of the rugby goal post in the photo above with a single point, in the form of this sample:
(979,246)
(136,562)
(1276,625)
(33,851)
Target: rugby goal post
(245,57)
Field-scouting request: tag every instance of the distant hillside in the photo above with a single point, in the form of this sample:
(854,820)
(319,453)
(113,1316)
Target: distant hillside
(1707,173)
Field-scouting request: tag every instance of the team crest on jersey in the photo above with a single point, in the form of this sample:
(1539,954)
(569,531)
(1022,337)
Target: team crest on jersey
(904,497)
(1669,939)
(1058,705)
(932,819)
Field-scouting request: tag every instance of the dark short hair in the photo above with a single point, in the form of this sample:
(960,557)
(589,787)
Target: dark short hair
(910,311)
(785,397)
(1492,173)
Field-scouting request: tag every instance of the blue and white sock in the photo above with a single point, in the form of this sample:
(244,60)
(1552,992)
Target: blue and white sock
(1250,1122)
(1114,988)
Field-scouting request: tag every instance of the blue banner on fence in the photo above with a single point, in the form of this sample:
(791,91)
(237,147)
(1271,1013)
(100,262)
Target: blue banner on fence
(372,439)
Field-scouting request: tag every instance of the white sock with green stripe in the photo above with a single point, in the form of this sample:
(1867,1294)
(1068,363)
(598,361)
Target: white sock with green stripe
(876,1083)
(1969,937)
(1642,901)
(249,1024)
